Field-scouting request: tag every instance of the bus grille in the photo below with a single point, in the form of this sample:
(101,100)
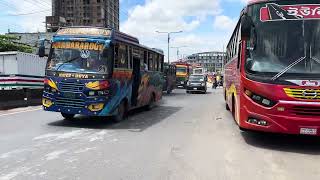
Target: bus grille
(180,79)
(311,94)
(306,111)
(75,87)
(70,103)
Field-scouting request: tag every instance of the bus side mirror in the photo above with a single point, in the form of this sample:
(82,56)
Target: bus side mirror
(42,51)
(246,26)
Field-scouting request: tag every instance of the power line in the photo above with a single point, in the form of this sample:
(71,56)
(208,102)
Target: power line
(44,3)
(30,13)
(7,4)
(36,3)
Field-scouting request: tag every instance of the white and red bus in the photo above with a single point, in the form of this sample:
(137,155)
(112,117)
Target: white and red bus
(272,75)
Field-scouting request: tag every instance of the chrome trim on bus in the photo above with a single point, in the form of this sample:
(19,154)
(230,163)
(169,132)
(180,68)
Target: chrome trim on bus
(299,102)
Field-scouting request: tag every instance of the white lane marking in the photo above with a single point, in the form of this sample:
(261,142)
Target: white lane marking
(54,155)
(85,150)
(14,152)
(13,174)
(58,136)
(19,112)
(98,136)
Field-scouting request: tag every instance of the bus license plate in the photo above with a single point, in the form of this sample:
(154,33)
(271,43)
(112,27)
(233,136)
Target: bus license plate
(309,131)
(69,95)
(195,88)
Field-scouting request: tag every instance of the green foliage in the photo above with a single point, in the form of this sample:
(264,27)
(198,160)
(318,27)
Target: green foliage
(7,43)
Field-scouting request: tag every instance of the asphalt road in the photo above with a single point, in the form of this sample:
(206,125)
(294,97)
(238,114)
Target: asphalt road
(186,137)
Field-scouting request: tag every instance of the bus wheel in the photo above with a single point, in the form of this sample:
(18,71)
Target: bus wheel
(121,113)
(151,102)
(233,108)
(168,91)
(68,116)
(227,107)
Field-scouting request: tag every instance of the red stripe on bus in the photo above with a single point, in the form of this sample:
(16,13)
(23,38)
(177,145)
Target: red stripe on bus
(20,80)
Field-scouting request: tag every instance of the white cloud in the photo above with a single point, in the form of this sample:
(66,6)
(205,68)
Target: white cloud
(224,23)
(30,14)
(167,15)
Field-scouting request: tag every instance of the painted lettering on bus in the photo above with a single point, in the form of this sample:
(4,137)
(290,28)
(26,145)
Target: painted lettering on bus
(71,75)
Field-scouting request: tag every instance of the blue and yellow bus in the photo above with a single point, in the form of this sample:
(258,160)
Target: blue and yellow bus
(100,72)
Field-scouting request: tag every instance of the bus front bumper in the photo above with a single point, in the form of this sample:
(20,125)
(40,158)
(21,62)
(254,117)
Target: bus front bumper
(288,117)
(87,108)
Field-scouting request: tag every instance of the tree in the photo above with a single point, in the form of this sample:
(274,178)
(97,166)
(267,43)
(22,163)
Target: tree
(7,43)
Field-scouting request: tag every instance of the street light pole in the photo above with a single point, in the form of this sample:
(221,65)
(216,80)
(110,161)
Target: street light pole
(178,50)
(169,33)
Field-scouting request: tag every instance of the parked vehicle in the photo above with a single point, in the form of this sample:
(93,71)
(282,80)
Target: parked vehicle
(20,70)
(197,83)
(107,73)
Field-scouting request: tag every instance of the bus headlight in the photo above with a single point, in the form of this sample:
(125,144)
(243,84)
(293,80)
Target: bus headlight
(96,107)
(260,99)
(46,102)
(50,83)
(98,85)
(203,84)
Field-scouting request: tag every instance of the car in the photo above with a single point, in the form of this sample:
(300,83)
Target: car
(197,83)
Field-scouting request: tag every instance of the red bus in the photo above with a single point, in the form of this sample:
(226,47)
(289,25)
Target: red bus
(272,73)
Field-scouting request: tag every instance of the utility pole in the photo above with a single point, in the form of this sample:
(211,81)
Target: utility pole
(178,50)
(169,33)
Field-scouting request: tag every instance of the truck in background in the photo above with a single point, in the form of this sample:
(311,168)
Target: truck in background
(21,79)
(183,71)
(20,70)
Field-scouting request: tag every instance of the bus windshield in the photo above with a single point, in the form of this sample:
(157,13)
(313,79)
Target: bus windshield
(78,60)
(286,40)
(181,70)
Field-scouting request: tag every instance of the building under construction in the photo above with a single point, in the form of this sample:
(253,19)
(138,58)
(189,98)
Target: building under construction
(100,13)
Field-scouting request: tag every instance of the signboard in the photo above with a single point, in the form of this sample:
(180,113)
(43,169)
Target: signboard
(85,31)
(275,12)
(78,45)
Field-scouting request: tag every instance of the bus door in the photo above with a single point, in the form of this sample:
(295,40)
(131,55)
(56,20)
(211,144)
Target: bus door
(136,81)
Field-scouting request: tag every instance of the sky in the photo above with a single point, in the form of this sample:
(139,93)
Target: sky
(206,24)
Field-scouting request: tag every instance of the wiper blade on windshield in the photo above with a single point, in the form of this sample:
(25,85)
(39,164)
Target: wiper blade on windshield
(277,76)
(69,61)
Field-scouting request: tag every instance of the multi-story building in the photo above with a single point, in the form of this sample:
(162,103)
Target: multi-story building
(101,13)
(212,61)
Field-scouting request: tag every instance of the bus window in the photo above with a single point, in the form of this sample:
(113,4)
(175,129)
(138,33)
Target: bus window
(156,60)
(161,61)
(116,55)
(150,63)
(122,57)
(130,59)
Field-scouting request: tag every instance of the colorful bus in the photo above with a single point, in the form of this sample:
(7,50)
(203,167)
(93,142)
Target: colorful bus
(183,72)
(272,75)
(170,77)
(100,72)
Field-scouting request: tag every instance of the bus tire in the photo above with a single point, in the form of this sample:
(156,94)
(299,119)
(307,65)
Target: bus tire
(151,102)
(121,112)
(227,107)
(169,91)
(68,117)
(233,108)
